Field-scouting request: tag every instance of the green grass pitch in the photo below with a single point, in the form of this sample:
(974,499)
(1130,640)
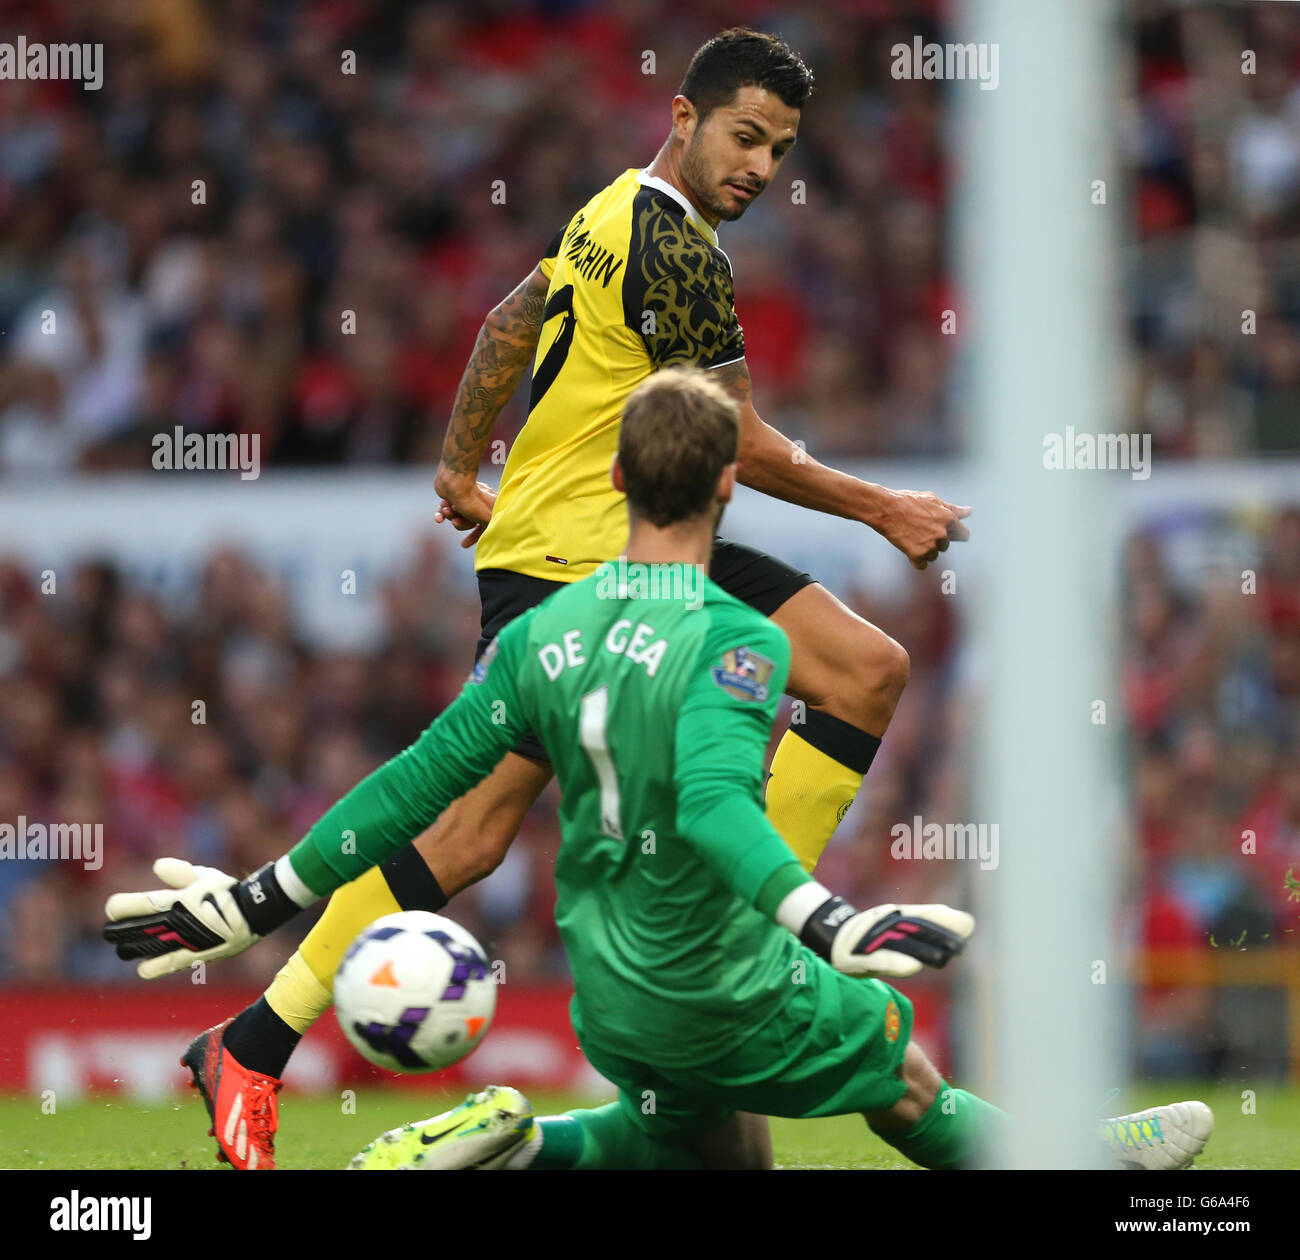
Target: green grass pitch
(107,1133)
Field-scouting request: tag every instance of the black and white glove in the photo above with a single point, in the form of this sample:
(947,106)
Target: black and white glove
(891,941)
(203,914)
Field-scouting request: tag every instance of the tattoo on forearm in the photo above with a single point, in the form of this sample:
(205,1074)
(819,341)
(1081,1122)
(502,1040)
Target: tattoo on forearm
(501,356)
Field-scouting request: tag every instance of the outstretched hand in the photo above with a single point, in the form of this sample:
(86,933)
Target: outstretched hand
(921,525)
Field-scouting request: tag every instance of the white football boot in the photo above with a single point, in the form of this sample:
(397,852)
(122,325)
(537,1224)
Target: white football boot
(1164,1137)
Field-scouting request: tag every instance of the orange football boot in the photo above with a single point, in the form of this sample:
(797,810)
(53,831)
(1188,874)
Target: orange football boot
(242,1104)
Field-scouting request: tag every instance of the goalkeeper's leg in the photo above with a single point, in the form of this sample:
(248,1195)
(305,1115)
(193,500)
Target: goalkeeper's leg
(937,1126)
(607,1137)
(496,1129)
(933,1124)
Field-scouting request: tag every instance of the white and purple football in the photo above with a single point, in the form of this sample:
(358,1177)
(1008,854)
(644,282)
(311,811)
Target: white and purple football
(414,992)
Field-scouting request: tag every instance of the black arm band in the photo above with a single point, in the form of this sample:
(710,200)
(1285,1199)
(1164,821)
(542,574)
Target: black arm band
(263,903)
(818,933)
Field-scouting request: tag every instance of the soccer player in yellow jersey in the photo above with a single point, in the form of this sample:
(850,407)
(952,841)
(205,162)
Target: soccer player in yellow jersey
(634,282)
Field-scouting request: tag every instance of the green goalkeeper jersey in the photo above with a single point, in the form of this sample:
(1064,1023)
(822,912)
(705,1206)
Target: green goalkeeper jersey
(654,693)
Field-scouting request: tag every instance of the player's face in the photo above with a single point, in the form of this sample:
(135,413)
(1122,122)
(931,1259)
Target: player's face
(734,154)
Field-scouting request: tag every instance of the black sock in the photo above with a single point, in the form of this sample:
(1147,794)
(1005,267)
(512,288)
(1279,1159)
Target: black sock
(411,881)
(840,740)
(260,1039)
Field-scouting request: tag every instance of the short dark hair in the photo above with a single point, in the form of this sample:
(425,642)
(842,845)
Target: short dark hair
(741,57)
(679,431)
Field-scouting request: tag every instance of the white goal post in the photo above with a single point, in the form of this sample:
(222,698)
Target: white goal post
(1037,238)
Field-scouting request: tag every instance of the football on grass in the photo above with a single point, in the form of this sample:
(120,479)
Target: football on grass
(414,992)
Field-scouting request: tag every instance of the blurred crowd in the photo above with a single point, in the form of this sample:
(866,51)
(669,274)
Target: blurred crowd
(1212,691)
(203,727)
(1213,277)
(201,224)
(321,190)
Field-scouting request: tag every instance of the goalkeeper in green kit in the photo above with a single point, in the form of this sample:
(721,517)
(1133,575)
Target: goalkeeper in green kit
(715,981)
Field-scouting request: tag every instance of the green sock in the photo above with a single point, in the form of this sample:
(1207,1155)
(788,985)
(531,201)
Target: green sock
(951,1132)
(605,1138)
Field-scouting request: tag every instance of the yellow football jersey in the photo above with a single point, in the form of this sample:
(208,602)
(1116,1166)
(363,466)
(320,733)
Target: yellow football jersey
(638,283)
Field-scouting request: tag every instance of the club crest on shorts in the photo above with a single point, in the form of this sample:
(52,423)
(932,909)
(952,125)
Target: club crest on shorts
(893,1021)
(484,662)
(743,674)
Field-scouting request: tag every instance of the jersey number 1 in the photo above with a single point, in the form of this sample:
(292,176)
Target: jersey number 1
(559,303)
(591,734)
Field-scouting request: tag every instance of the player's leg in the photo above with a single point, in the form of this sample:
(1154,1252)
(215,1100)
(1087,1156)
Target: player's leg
(851,675)
(923,1085)
(654,1124)
(937,1126)
(838,1045)
(742,1141)
(848,673)
(933,1124)
(473,834)
(877,1070)
(621,1135)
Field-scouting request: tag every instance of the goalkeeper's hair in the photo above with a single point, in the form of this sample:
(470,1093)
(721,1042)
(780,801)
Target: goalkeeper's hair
(741,57)
(679,431)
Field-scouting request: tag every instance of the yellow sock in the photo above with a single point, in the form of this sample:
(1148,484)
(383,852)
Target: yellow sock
(808,790)
(296,996)
(301,992)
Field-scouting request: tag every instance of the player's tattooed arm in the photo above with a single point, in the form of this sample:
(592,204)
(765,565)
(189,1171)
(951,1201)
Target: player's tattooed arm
(504,349)
(919,524)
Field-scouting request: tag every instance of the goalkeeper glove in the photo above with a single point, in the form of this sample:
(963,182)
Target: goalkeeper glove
(202,915)
(890,941)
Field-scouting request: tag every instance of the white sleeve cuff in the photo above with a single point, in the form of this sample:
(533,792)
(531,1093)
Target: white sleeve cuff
(291,885)
(796,906)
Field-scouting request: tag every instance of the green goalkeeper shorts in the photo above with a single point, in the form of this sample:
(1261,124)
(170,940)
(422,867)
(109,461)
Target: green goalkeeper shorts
(834,1048)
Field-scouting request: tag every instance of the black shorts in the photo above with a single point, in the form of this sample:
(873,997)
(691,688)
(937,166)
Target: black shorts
(753,577)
